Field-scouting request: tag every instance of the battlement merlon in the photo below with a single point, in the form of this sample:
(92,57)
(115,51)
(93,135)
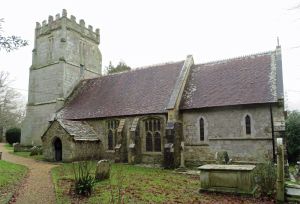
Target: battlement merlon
(70,23)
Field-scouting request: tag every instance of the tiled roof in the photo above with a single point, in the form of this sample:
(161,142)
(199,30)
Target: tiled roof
(80,130)
(141,91)
(245,80)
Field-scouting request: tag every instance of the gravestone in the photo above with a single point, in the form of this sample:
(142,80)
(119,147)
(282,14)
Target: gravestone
(102,170)
(17,147)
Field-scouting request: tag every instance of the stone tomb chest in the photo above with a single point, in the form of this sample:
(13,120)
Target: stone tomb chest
(227,178)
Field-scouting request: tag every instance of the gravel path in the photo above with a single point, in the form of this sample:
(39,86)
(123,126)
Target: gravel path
(38,186)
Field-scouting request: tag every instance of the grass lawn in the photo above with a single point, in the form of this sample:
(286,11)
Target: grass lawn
(10,174)
(23,154)
(141,185)
(9,147)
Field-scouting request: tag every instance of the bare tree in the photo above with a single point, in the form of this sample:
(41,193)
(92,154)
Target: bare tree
(10,43)
(11,109)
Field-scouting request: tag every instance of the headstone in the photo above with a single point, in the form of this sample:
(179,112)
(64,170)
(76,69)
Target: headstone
(17,147)
(102,170)
(0,155)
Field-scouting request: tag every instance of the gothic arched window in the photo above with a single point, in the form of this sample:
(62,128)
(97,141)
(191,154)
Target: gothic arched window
(157,142)
(153,135)
(112,126)
(110,140)
(149,145)
(248,125)
(201,126)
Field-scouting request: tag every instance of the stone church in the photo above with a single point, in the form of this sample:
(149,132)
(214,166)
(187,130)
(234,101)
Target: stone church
(156,114)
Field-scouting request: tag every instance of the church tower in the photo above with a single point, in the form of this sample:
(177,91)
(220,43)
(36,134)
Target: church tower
(64,53)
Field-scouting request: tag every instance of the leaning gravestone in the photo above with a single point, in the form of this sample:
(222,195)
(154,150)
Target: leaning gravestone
(102,170)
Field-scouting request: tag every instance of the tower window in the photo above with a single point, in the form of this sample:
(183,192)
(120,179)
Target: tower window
(201,125)
(248,125)
(50,48)
(81,69)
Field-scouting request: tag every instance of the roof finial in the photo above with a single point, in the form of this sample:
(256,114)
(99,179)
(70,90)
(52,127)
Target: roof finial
(278,45)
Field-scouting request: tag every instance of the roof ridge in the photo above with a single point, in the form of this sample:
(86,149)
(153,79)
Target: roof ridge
(237,57)
(137,69)
(158,64)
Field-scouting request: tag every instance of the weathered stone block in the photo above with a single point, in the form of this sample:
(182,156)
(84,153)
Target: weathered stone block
(102,170)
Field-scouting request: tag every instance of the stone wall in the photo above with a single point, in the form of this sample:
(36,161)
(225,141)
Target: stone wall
(68,145)
(71,150)
(45,84)
(100,126)
(36,122)
(225,131)
(88,150)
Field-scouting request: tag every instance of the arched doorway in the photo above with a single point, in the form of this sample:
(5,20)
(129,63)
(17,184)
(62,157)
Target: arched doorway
(58,149)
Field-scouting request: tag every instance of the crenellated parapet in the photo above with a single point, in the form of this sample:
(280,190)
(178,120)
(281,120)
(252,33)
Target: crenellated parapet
(63,22)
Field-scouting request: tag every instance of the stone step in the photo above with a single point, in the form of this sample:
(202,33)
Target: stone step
(293,194)
(292,199)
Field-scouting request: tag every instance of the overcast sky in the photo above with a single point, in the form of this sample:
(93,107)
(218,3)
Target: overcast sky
(148,32)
